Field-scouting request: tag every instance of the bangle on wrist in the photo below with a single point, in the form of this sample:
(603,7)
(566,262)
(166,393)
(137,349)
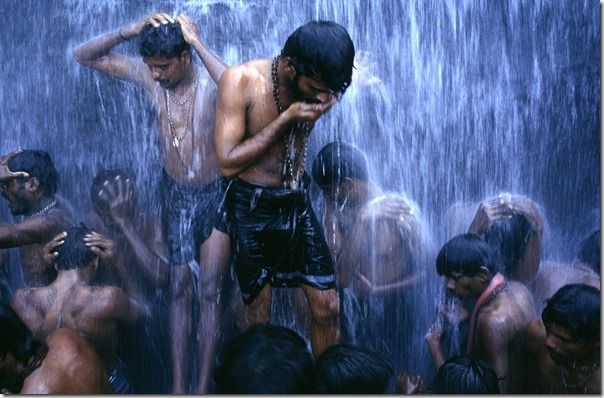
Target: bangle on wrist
(119,32)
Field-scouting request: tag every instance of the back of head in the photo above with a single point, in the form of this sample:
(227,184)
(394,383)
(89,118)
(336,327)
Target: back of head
(166,40)
(37,164)
(575,307)
(346,369)
(465,375)
(266,359)
(324,50)
(336,161)
(74,253)
(508,239)
(589,252)
(465,253)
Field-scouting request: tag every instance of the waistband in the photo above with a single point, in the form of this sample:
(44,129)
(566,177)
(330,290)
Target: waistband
(199,188)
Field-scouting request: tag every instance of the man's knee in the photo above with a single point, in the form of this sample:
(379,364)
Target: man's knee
(181,281)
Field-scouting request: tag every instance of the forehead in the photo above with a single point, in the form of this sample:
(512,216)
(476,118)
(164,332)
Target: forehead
(558,330)
(314,82)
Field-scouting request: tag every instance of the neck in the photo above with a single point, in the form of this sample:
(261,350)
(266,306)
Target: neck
(285,84)
(70,277)
(40,204)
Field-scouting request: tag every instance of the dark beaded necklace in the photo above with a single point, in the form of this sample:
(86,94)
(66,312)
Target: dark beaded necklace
(293,164)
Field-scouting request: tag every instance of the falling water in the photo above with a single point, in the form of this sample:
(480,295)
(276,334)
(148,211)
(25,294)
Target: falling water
(473,98)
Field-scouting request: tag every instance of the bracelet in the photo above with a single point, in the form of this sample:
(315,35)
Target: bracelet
(119,32)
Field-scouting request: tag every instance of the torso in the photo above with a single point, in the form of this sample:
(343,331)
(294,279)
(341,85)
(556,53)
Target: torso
(268,169)
(34,272)
(194,161)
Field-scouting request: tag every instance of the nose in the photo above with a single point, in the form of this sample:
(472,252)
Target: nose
(155,74)
(323,97)
(550,342)
(450,284)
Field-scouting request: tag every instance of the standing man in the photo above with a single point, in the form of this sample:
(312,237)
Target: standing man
(184,98)
(265,112)
(28,182)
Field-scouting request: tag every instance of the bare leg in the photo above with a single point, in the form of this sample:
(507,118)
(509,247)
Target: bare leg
(180,324)
(214,255)
(325,324)
(259,310)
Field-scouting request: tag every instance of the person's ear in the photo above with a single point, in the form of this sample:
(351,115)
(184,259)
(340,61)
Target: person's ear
(289,67)
(484,274)
(32,184)
(185,56)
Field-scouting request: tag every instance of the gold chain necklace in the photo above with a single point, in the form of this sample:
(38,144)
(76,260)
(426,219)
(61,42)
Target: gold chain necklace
(293,164)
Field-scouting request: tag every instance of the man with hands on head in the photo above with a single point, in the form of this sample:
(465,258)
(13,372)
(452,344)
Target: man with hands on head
(184,98)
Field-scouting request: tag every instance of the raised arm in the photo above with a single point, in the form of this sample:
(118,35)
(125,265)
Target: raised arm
(97,53)
(38,229)
(235,151)
(213,64)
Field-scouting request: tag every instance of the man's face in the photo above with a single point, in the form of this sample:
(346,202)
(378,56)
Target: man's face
(13,191)
(562,347)
(310,89)
(335,194)
(462,286)
(168,72)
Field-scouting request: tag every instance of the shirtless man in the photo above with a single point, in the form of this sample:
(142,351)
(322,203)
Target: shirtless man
(70,302)
(264,106)
(64,363)
(184,99)
(563,347)
(501,312)
(585,269)
(28,182)
(381,251)
(513,226)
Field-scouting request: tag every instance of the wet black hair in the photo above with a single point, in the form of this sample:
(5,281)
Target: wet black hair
(465,253)
(347,369)
(575,307)
(97,184)
(589,251)
(165,40)
(74,253)
(508,239)
(37,163)
(266,359)
(323,50)
(336,161)
(465,375)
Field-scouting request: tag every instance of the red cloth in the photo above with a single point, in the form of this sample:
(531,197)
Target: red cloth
(497,281)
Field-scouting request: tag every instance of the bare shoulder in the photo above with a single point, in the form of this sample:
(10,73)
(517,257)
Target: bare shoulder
(244,77)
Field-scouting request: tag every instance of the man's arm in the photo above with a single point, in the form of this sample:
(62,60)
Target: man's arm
(213,64)
(22,304)
(493,336)
(37,229)
(235,153)
(96,53)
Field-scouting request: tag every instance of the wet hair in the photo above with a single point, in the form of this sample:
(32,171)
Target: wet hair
(589,251)
(508,239)
(165,40)
(74,253)
(336,161)
(266,359)
(347,369)
(323,50)
(37,164)
(465,375)
(465,253)
(97,184)
(575,307)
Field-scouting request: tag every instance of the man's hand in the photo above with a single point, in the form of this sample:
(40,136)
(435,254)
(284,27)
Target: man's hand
(305,112)
(434,335)
(499,208)
(189,29)
(49,255)
(100,245)
(118,197)
(135,29)
(409,384)
(5,173)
